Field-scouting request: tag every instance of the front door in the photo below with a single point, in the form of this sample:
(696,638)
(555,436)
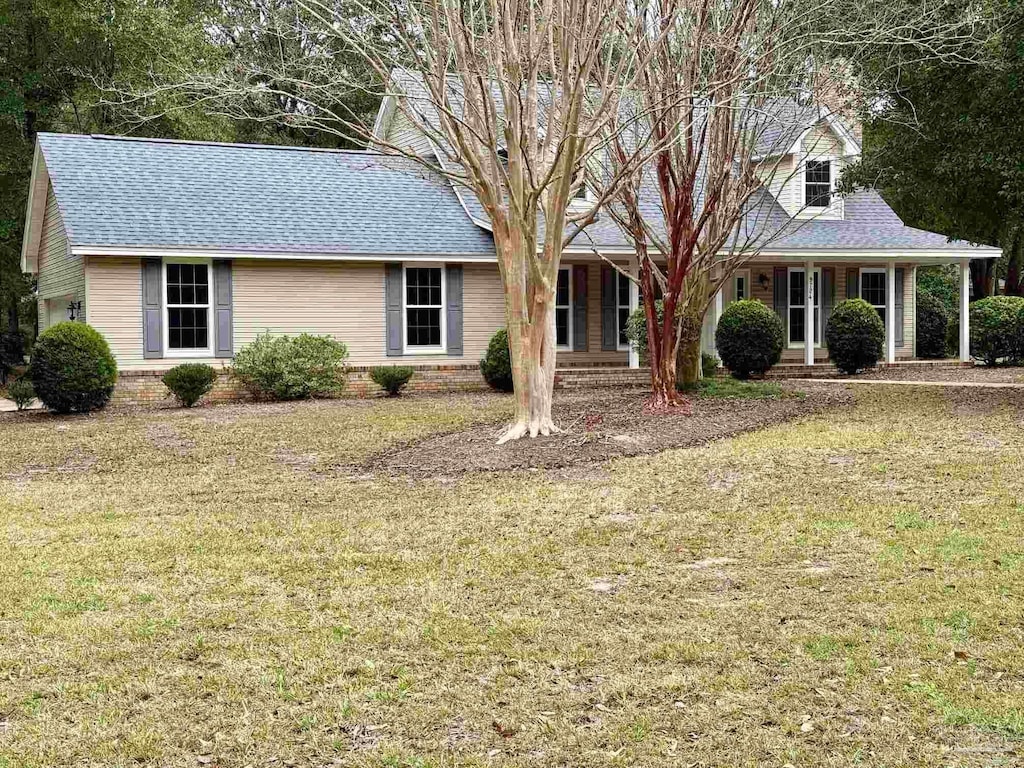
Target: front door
(797,329)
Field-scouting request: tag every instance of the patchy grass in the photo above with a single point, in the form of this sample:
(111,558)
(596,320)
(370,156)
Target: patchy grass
(209,587)
(728,387)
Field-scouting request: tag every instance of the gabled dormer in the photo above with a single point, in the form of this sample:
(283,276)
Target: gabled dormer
(802,173)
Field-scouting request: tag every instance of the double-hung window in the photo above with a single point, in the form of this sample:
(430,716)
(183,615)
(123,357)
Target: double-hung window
(187,293)
(797,306)
(872,288)
(424,309)
(818,183)
(563,309)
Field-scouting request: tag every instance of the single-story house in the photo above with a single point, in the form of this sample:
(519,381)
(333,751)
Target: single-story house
(186,251)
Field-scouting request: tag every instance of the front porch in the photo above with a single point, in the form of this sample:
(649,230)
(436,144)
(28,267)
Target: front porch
(804,305)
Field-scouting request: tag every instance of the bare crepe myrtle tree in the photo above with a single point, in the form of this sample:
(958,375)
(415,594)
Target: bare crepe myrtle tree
(726,88)
(514,97)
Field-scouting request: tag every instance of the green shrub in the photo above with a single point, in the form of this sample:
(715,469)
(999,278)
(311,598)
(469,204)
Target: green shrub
(21,392)
(391,378)
(997,324)
(292,367)
(855,335)
(932,325)
(496,365)
(72,368)
(190,381)
(709,364)
(636,327)
(749,338)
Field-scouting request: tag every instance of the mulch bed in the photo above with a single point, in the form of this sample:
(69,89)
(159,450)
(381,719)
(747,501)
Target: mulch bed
(999,374)
(604,424)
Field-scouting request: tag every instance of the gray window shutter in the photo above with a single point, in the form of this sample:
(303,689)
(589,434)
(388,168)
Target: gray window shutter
(852,284)
(152,309)
(898,302)
(393,308)
(780,278)
(224,326)
(828,288)
(609,310)
(453,291)
(579,307)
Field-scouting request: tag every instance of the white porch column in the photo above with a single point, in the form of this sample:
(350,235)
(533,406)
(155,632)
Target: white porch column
(719,306)
(965,311)
(634,302)
(890,312)
(913,305)
(809,300)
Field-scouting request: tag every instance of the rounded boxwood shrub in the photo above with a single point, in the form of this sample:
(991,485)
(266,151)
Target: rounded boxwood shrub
(72,368)
(749,338)
(997,325)
(391,378)
(188,382)
(496,365)
(855,336)
(636,327)
(292,367)
(932,325)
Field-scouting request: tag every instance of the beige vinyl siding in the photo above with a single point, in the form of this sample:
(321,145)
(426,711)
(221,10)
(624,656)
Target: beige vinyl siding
(61,275)
(821,141)
(767,296)
(342,299)
(403,133)
(777,175)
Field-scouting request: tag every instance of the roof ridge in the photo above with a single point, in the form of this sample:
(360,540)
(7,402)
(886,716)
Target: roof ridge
(228,144)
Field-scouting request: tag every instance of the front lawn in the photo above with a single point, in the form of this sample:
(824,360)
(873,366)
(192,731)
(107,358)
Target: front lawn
(226,587)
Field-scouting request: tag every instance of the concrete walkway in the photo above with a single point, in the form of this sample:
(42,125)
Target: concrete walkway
(916,383)
(8,405)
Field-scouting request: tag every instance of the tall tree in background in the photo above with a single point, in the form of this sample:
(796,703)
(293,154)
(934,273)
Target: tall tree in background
(52,55)
(947,150)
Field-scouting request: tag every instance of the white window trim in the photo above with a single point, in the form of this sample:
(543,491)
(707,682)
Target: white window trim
(790,344)
(745,274)
(568,346)
(885,284)
(433,349)
(627,306)
(210,330)
(835,209)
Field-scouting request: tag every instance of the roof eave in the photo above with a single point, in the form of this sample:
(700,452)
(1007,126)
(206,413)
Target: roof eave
(32,235)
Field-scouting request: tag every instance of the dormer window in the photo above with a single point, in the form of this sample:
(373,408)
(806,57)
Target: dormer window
(818,183)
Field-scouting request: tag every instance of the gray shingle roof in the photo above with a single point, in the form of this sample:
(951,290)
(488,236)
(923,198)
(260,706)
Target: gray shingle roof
(131,192)
(165,194)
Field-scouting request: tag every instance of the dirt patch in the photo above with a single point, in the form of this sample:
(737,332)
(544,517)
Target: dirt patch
(166,438)
(606,424)
(300,462)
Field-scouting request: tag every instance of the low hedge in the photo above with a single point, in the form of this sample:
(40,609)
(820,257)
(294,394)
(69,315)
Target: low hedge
(72,368)
(496,365)
(997,329)
(292,367)
(188,382)
(391,378)
(932,325)
(855,336)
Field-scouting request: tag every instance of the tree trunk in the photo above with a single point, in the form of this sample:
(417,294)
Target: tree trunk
(529,318)
(1014,268)
(982,271)
(689,362)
